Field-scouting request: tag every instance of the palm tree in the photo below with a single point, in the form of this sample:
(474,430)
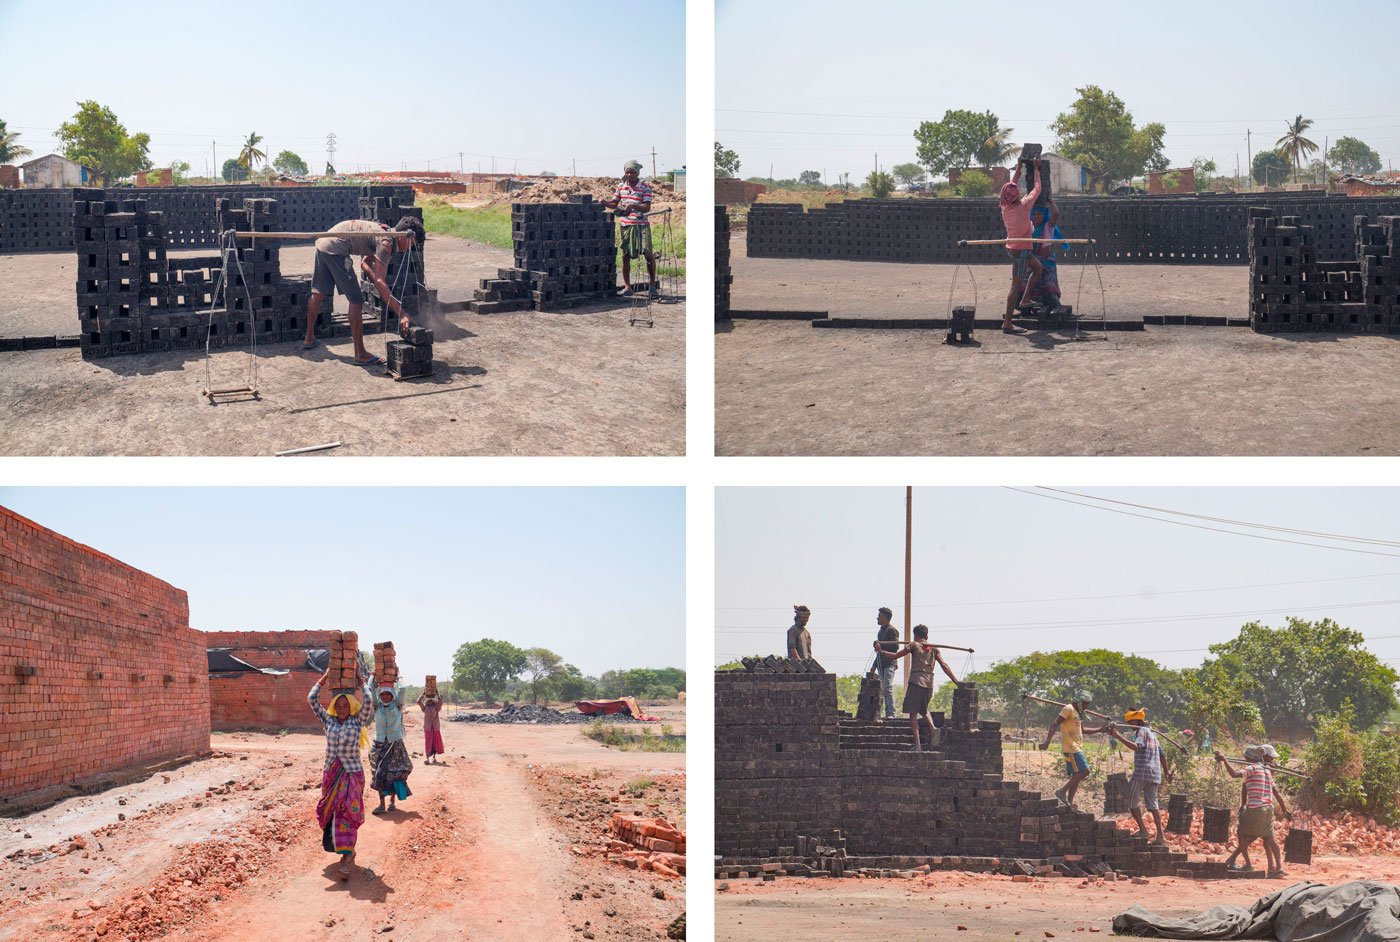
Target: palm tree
(1294,146)
(994,149)
(250,156)
(10,150)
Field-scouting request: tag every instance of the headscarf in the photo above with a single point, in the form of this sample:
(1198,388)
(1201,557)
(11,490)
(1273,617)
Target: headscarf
(1135,715)
(1083,697)
(354,703)
(632,165)
(1010,193)
(1038,226)
(1268,752)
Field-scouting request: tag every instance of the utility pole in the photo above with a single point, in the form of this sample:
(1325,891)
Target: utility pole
(1248,154)
(573,163)
(461,166)
(908,570)
(214,146)
(330,149)
(1325,142)
(653,161)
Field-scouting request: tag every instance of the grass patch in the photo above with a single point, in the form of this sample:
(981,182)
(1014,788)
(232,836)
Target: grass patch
(638,787)
(628,740)
(490,226)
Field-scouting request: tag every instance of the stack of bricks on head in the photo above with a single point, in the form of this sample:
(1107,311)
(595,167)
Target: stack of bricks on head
(345,662)
(804,789)
(430,685)
(386,667)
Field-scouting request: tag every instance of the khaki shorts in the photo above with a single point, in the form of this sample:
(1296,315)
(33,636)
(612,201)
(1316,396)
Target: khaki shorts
(336,271)
(916,699)
(1257,822)
(1144,793)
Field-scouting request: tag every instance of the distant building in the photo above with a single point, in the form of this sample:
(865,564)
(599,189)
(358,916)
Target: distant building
(1184,181)
(9,176)
(731,190)
(679,177)
(1373,185)
(53,171)
(1066,176)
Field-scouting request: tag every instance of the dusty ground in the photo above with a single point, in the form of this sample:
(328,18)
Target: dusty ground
(992,908)
(785,388)
(581,382)
(494,844)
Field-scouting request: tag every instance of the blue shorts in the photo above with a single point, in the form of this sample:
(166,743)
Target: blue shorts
(1075,762)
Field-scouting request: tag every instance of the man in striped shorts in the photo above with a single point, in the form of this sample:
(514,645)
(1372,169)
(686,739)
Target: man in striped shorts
(630,203)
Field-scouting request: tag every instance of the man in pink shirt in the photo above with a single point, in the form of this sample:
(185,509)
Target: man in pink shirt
(1025,267)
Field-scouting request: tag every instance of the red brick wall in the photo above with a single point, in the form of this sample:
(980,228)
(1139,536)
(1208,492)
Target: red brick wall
(1363,188)
(67,614)
(262,701)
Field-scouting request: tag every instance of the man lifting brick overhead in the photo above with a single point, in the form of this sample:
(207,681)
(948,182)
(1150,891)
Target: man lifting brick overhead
(799,639)
(631,202)
(377,243)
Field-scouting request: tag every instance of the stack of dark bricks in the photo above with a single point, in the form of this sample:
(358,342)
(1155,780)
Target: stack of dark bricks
(724,278)
(1180,813)
(1292,289)
(1030,162)
(1298,846)
(789,766)
(868,700)
(1191,230)
(1115,793)
(122,275)
(413,355)
(1215,824)
(405,277)
(36,220)
(565,256)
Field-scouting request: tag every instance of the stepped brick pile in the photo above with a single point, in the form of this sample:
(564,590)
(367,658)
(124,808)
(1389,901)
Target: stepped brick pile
(100,671)
(565,256)
(801,788)
(250,699)
(1293,287)
(647,843)
(132,297)
(724,277)
(1196,230)
(41,220)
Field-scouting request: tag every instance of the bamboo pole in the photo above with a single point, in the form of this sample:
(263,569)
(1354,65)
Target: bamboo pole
(1027,239)
(908,571)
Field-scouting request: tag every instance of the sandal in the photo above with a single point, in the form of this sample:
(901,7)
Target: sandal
(310,346)
(374,360)
(1014,330)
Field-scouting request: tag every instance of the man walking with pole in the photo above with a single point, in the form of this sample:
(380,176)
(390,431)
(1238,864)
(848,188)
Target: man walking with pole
(1071,745)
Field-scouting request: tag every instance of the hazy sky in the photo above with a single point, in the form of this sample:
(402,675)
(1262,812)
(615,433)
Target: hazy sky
(535,85)
(1008,573)
(595,574)
(827,85)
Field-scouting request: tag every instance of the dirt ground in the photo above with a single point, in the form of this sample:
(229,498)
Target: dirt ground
(992,908)
(580,382)
(497,843)
(785,388)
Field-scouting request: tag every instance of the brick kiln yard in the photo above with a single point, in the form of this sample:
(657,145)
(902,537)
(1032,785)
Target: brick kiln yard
(785,388)
(575,382)
(503,841)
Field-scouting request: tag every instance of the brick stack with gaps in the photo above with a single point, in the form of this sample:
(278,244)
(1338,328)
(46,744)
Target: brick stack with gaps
(803,789)
(386,665)
(344,664)
(565,256)
(1292,290)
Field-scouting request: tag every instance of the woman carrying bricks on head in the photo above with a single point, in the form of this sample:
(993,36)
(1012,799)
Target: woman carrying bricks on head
(388,756)
(923,657)
(432,726)
(1025,266)
(1257,795)
(341,810)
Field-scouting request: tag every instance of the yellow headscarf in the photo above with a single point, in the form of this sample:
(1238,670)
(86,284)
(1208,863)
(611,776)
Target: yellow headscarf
(354,711)
(1135,715)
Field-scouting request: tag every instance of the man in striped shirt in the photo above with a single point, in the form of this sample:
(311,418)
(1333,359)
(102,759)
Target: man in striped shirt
(1148,762)
(1257,795)
(630,203)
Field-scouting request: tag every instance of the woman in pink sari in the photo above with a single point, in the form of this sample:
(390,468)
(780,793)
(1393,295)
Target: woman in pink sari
(341,810)
(432,727)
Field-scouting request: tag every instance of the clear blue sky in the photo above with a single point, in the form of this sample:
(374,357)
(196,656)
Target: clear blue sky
(866,74)
(535,85)
(994,557)
(595,574)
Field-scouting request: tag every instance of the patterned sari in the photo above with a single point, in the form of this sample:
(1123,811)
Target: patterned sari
(341,810)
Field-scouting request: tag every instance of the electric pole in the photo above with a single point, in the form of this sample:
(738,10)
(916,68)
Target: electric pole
(1248,153)
(908,570)
(330,152)
(214,146)
(461,165)
(653,161)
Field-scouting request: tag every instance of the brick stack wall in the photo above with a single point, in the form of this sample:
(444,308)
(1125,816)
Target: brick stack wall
(724,277)
(42,220)
(565,256)
(793,774)
(99,669)
(1294,288)
(1197,230)
(262,701)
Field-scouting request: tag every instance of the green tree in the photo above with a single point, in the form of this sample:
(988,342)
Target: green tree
(1204,168)
(1098,132)
(974,183)
(542,665)
(953,141)
(909,173)
(1293,146)
(1217,698)
(880,184)
(179,173)
(1348,156)
(233,171)
(249,157)
(10,149)
(487,665)
(810,178)
(1270,168)
(994,149)
(1307,669)
(726,161)
(98,141)
(569,683)
(290,164)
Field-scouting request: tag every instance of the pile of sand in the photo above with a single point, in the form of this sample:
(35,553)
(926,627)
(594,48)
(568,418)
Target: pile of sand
(559,189)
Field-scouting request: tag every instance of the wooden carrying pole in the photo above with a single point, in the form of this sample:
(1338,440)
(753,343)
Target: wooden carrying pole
(1026,239)
(908,570)
(1102,716)
(1272,768)
(385,234)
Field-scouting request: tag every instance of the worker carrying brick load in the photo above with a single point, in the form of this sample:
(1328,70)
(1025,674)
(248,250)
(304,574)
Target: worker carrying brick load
(341,809)
(923,657)
(630,203)
(430,702)
(799,639)
(388,756)
(1026,266)
(1257,795)
(1149,764)
(334,270)
(1072,733)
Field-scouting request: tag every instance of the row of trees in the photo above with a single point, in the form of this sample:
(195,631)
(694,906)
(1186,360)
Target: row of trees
(491,668)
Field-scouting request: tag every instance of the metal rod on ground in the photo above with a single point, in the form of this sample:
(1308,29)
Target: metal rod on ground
(302,451)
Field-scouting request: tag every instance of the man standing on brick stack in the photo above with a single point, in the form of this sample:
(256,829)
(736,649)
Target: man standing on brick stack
(341,810)
(388,757)
(799,639)
(630,203)
(923,657)
(377,243)
(1148,762)
(886,657)
(1071,745)
(1025,266)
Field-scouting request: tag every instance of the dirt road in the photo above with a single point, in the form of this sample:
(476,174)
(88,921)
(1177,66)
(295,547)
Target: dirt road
(580,382)
(227,848)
